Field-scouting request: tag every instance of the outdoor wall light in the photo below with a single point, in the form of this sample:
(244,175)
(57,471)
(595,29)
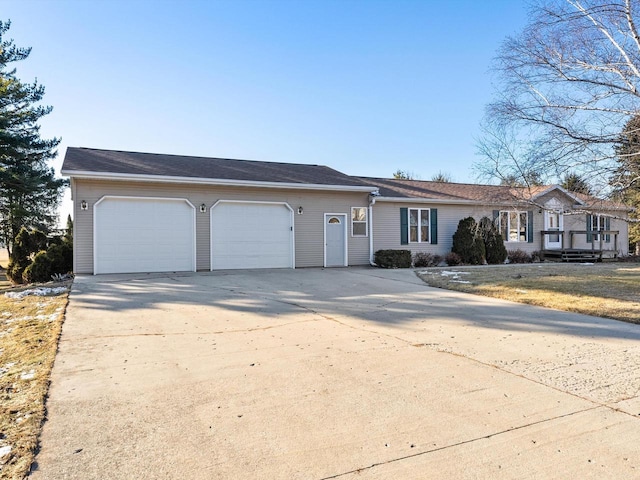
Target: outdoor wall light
(203,208)
(84,205)
(300,210)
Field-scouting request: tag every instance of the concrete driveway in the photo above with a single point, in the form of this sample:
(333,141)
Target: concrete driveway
(341,373)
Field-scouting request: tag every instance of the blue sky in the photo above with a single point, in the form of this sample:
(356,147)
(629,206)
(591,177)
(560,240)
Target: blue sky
(366,87)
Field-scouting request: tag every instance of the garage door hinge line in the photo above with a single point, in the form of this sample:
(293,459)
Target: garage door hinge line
(465,442)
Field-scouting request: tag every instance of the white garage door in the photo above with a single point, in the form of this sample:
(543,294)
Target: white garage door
(143,235)
(251,235)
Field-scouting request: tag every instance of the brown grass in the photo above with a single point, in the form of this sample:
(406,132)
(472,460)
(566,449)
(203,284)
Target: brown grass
(610,290)
(29,331)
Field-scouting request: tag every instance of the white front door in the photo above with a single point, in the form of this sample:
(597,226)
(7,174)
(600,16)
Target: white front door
(553,222)
(335,240)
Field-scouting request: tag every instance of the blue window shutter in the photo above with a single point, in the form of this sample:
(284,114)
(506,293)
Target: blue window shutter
(404,226)
(607,226)
(496,214)
(589,235)
(434,225)
(530,226)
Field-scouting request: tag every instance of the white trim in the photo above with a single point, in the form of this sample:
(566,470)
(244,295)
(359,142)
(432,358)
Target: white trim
(291,218)
(558,187)
(548,244)
(213,181)
(346,237)
(366,223)
(132,197)
(526,226)
(437,201)
(418,225)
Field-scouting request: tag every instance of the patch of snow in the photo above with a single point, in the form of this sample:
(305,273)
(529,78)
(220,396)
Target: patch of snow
(459,281)
(47,318)
(4,451)
(39,292)
(522,291)
(449,273)
(23,418)
(587,263)
(28,375)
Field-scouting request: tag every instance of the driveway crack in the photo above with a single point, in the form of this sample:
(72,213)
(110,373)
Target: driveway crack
(464,442)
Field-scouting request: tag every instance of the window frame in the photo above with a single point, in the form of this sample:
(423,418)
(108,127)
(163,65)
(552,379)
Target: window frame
(365,221)
(418,225)
(599,224)
(521,228)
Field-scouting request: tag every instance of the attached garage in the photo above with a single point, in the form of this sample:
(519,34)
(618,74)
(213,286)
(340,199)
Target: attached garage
(251,235)
(135,234)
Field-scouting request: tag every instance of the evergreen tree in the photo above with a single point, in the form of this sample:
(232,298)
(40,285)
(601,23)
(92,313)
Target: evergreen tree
(493,242)
(468,242)
(29,191)
(575,183)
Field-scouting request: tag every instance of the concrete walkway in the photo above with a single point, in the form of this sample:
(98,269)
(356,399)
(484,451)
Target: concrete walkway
(341,373)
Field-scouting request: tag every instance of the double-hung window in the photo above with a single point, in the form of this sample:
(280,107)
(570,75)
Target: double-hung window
(359,221)
(419,225)
(513,226)
(599,223)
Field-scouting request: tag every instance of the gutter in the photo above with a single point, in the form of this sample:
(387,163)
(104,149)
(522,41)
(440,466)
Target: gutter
(372,202)
(213,181)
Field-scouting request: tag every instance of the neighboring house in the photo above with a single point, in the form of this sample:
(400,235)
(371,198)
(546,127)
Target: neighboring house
(142,212)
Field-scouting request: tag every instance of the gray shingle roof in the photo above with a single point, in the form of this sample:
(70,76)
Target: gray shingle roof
(391,187)
(135,163)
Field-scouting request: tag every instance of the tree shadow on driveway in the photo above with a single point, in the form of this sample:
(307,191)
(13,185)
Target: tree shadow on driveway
(383,297)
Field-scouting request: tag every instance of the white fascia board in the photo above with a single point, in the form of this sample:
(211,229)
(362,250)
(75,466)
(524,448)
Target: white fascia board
(435,200)
(74,174)
(563,190)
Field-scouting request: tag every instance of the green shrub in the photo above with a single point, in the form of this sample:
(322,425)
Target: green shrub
(15,270)
(452,259)
(468,242)
(39,270)
(61,257)
(518,256)
(393,258)
(58,258)
(422,259)
(35,258)
(26,245)
(495,250)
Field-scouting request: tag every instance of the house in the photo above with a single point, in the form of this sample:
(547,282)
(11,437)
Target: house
(143,212)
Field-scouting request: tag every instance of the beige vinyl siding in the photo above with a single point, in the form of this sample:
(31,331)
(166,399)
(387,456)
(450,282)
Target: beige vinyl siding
(386,220)
(309,227)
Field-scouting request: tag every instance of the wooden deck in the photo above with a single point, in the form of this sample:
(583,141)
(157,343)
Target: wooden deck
(578,255)
(593,254)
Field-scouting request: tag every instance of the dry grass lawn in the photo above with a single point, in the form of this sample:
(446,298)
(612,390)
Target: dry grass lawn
(29,331)
(610,290)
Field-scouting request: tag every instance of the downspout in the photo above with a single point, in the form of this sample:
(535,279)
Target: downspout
(372,202)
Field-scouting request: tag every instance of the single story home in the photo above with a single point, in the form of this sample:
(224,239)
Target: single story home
(143,212)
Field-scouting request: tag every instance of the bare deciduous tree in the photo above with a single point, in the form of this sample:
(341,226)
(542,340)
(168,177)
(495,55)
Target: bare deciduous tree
(567,86)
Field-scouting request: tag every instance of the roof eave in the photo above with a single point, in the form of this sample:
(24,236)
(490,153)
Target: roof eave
(563,190)
(88,175)
(439,201)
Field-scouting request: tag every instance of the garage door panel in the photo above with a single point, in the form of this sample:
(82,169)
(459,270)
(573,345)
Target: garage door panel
(144,235)
(251,235)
